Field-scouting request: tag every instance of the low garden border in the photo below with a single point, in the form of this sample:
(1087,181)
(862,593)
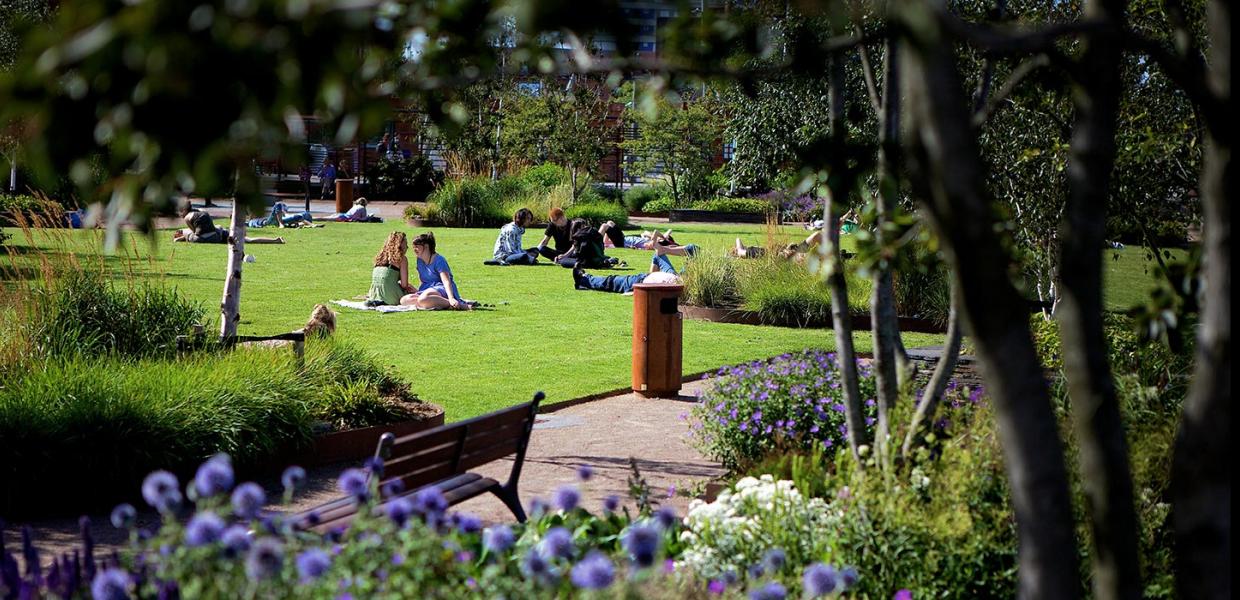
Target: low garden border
(748,317)
(689,215)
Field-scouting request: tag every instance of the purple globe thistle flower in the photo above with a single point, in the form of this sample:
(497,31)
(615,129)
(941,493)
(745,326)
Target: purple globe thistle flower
(393,488)
(594,572)
(293,478)
(558,543)
(161,490)
(353,482)
(374,465)
(399,511)
(904,594)
(538,506)
(266,558)
(498,539)
(585,472)
(236,540)
(535,566)
(312,563)
(123,516)
(611,503)
(566,497)
(849,577)
(820,580)
(775,559)
(248,499)
(467,523)
(755,571)
(214,477)
(110,584)
(666,517)
(204,528)
(430,502)
(771,591)
(642,542)
(716,587)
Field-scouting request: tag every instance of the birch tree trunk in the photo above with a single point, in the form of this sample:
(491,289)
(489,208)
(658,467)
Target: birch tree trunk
(883,321)
(1201,471)
(1102,449)
(946,155)
(840,318)
(230,306)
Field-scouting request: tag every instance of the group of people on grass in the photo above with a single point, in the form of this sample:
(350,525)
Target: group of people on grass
(200,227)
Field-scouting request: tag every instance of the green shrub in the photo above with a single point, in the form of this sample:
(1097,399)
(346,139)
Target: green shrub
(468,202)
(660,206)
(638,197)
(412,178)
(79,311)
(544,177)
(783,291)
(598,212)
(608,193)
(925,294)
(735,205)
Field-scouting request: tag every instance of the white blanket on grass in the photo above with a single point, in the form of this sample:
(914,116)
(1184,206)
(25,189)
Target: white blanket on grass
(383,308)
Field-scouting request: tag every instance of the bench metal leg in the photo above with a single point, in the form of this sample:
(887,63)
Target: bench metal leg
(509,497)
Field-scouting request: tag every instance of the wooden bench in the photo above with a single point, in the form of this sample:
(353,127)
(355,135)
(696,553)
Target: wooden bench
(442,458)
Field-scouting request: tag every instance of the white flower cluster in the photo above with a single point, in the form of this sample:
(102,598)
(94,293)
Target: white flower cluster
(726,537)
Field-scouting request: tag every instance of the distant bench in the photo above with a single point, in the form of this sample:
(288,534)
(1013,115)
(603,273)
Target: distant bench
(441,458)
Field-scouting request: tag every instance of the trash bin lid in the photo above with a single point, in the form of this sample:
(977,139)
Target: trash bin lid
(665,287)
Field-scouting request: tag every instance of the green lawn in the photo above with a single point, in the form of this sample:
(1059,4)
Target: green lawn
(541,335)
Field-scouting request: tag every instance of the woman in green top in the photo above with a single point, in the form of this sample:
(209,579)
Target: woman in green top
(389,281)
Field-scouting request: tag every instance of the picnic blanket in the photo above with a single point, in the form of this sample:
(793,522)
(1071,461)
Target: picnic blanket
(383,308)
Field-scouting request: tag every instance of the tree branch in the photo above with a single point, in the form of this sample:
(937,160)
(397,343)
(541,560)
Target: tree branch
(867,72)
(1186,72)
(999,41)
(1023,70)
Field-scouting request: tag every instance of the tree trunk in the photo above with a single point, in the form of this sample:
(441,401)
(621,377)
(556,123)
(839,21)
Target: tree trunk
(573,175)
(1201,471)
(946,155)
(230,306)
(854,414)
(937,386)
(13,175)
(1102,449)
(884,326)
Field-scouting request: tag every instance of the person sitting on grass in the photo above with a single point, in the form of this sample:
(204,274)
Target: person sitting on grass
(557,230)
(587,249)
(356,213)
(661,271)
(438,288)
(280,217)
(508,249)
(202,230)
(389,280)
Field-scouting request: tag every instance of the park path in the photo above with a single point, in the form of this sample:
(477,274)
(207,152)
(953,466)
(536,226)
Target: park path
(602,434)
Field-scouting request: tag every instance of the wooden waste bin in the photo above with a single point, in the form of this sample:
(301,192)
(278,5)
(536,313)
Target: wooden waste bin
(344,195)
(657,330)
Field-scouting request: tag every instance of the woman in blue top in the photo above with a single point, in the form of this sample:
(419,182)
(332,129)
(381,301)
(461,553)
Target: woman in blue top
(437,289)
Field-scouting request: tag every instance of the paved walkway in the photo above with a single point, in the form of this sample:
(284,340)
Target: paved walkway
(603,434)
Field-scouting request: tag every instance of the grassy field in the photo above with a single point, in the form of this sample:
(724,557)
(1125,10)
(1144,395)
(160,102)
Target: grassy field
(541,335)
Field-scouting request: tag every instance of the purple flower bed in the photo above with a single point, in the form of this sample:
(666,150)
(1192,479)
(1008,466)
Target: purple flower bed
(793,401)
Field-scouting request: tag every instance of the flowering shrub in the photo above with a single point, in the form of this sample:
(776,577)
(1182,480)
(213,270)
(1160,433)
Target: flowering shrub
(764,530)
(408,547)
(793,400)
(806,207)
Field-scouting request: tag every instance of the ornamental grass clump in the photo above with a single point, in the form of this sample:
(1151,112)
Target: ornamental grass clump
(793,401)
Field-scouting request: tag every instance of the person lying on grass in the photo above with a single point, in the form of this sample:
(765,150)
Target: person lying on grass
(587,249)
(508,249)
(202,230)
(795,252)
(281,217)
(438,288)
(356,214)
(645,241)
(661,271)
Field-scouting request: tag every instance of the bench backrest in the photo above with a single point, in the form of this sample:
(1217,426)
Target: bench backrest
(423,458)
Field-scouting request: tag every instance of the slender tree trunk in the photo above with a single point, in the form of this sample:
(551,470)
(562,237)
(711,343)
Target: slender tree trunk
(937,386)
(884,325)
(946,155)
(1201,471)
(854,414)
(230,306)
(1102,449)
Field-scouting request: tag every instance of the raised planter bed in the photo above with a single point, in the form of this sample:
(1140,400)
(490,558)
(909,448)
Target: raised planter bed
(688,215)
(748,317)
(355,444)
